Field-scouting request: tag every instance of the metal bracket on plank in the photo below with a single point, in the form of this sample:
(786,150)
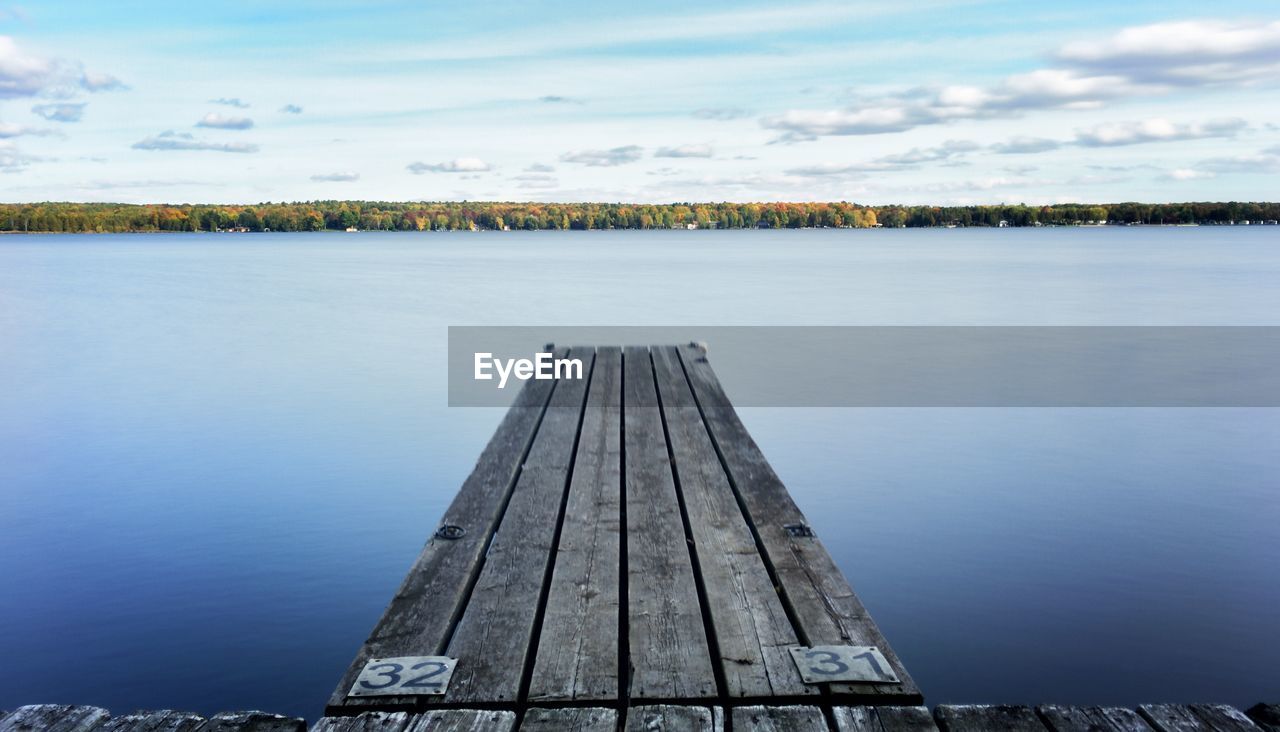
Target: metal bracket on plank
(798,530)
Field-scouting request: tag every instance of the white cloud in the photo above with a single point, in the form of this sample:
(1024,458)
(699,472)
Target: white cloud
(1189,174)
(336,177)
(170,140)
(1142,60)
(1021,145)
(1191,52)
(684,151)
(1267,161)
(61,111)
(1156,130)
(457,165)
(9,129)
(97,82)
(217,121)
(236,102)
(23,74)
(604,158)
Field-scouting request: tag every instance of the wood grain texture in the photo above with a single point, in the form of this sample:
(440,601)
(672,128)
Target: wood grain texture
(462,720)
(670,718)
(1187,717)
(158,721)
(492,640)
(751,626)
(1091,719)
(365,722)
(668,643)
(779,719)
(977,718)
(578,646)
(577,719)
(884,719)
(1266,716)
(53,718)
(430,599)
(821,599)
(251,722)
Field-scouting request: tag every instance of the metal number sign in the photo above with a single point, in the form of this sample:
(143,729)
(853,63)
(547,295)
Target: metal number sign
(824,664)
(405,676)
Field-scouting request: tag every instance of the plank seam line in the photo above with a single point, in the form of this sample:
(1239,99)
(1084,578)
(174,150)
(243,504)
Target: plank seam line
(624,600)
(474,578)
(708,623)
(824,691)
(544,595)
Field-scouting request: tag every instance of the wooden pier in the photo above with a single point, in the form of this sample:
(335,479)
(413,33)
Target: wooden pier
(623,557)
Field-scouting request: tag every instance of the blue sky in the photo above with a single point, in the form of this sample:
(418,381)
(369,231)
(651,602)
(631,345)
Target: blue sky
(877,102)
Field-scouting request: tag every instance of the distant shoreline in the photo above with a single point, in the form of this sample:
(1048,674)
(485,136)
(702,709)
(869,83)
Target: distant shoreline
(61,217)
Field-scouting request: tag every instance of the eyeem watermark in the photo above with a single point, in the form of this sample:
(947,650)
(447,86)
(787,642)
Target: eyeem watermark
(542,366)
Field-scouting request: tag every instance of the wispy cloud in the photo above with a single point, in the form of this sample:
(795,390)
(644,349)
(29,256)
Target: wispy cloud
(61,111)
(336,177)
(911,159)
(98,82)
(10,130)
(540,168)
(722,113)
(1022,145)
(291,109)
(170,140)
(220,122)
(1142,60)
(457,165)
(605,158)
(557,99)
(1156,130)
(13,160)
(236,102)
(1266,161)
(684,151)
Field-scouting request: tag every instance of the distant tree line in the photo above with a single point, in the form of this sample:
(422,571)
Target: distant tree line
(453,216)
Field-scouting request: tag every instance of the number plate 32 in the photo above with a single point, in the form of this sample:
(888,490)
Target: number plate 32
(826,664)
(405,676)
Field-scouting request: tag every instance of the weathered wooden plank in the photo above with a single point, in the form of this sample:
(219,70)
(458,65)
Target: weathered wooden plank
(576,719)
(976,718)
(251,722)
(884,719)
(159,721)
(578,646)
(53,718)
(462,720)
(1187,717)
(366,722)
(492,640)
(779,719)
(668,643)
(751,626)
(670,718)
(821,600)
(1091,719)
(1266,716)
(423,612)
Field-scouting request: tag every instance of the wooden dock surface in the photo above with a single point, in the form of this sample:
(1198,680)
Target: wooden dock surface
(678,718)
(623,542)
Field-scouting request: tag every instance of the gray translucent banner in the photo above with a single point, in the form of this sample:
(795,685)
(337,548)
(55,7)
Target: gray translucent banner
(919,366)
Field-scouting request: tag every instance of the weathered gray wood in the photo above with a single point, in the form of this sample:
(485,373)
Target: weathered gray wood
(578,647)
(1187,717)
(53,718)
(251,722)
(462,720)
(1266,716)
(751,626)
(1091,719)
(884,719)
(366,722)
(669,718)
(577,719)
(158,721)
(493,637)
(976,718)
(422,614)
(779,719)
(823,603)
(669,654)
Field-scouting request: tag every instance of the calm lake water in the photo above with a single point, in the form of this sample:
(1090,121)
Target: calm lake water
(219,454)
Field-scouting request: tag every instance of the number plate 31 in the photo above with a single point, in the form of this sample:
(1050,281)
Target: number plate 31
(405,676)
(825,664)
